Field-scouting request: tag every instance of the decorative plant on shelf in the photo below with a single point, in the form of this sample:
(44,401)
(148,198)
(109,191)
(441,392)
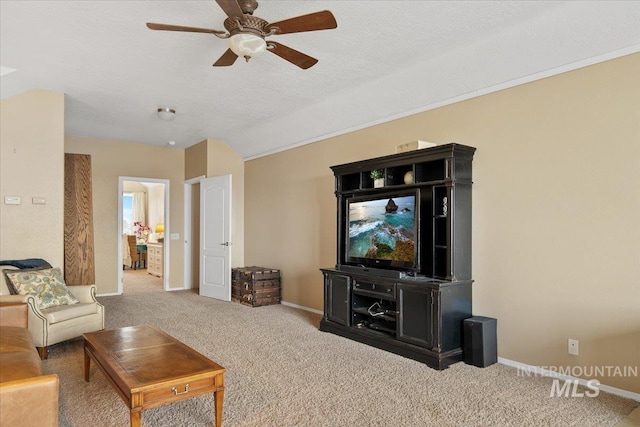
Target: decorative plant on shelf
(378,178)
(377,174)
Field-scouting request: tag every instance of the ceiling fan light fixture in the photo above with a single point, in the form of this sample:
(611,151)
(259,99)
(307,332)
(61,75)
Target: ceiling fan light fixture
(166,113)
(247,45)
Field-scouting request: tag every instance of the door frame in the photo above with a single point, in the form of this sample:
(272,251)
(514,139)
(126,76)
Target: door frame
(188,229)
(167,228)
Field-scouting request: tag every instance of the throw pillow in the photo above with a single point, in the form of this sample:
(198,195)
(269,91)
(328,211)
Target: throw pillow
(5,269)
(47,284)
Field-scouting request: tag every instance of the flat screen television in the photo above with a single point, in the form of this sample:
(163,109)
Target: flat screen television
(383,230)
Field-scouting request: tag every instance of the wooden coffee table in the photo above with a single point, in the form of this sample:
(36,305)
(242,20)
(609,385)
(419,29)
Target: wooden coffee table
(149,368)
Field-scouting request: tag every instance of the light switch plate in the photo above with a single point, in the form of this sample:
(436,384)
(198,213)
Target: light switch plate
(12,200)
(38,200)
(175,236)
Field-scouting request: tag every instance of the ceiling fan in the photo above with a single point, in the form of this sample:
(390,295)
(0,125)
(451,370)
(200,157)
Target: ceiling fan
(247,33)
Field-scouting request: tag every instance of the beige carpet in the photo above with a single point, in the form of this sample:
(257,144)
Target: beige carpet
(282,371)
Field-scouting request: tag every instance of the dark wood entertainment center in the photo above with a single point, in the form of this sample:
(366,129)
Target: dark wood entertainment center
(419,312)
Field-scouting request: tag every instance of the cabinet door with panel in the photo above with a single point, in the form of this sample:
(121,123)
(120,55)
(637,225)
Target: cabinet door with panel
(415,323)
(337,298)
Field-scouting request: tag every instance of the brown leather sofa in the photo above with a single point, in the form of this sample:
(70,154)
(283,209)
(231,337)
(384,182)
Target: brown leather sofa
(28,397)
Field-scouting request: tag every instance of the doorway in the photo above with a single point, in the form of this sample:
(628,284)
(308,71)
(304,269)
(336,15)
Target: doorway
(192,233)
(143,221)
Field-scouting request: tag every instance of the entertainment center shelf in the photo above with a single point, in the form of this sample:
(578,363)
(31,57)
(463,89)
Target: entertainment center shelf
(426,172)
(402,280)
(428,169)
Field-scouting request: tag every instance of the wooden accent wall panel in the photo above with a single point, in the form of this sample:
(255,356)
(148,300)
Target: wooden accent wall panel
(79,260)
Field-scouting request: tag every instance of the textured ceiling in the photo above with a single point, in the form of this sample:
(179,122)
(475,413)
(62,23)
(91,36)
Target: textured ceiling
(386,59)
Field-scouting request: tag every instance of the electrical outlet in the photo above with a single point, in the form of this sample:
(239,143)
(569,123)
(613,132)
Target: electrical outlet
(573,347)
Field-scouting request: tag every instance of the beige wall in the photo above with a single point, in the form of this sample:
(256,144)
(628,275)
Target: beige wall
(556,237)
(32,165)
(195,160)
(110,160)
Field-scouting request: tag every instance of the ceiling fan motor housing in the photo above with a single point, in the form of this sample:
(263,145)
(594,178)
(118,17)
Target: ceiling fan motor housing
(248,24)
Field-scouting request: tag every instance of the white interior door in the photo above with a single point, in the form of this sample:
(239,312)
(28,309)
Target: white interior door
(215,233)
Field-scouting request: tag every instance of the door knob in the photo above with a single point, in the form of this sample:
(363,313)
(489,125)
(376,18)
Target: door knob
(226,244)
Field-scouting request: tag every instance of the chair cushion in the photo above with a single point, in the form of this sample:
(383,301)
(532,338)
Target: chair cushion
(47,284)
(60,313)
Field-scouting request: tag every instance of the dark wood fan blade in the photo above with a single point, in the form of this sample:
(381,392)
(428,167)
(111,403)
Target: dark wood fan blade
(323,20)
(167,27)
(230,7)
(227,58)
(296,58)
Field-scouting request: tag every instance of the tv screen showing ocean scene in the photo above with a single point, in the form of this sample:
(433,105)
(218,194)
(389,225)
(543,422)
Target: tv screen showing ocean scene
(383,229)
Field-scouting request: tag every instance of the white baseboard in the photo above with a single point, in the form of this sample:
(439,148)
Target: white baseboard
(547,373)
(112,294)
(301,307)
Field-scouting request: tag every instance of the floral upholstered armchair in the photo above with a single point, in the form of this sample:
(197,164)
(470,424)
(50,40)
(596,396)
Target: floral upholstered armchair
(56,312)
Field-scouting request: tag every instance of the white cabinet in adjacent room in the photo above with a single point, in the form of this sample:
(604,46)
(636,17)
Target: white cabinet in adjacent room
(155,260)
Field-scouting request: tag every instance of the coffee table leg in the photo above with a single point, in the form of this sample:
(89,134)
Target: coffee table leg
(136,415)
(219,396)
(87,365)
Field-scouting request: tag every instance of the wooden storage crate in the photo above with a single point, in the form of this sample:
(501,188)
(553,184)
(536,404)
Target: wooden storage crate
(255,286)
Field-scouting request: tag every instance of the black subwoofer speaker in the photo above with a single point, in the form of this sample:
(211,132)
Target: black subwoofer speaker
(480,345)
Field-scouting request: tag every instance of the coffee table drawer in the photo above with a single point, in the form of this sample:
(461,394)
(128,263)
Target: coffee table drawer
(177,391)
